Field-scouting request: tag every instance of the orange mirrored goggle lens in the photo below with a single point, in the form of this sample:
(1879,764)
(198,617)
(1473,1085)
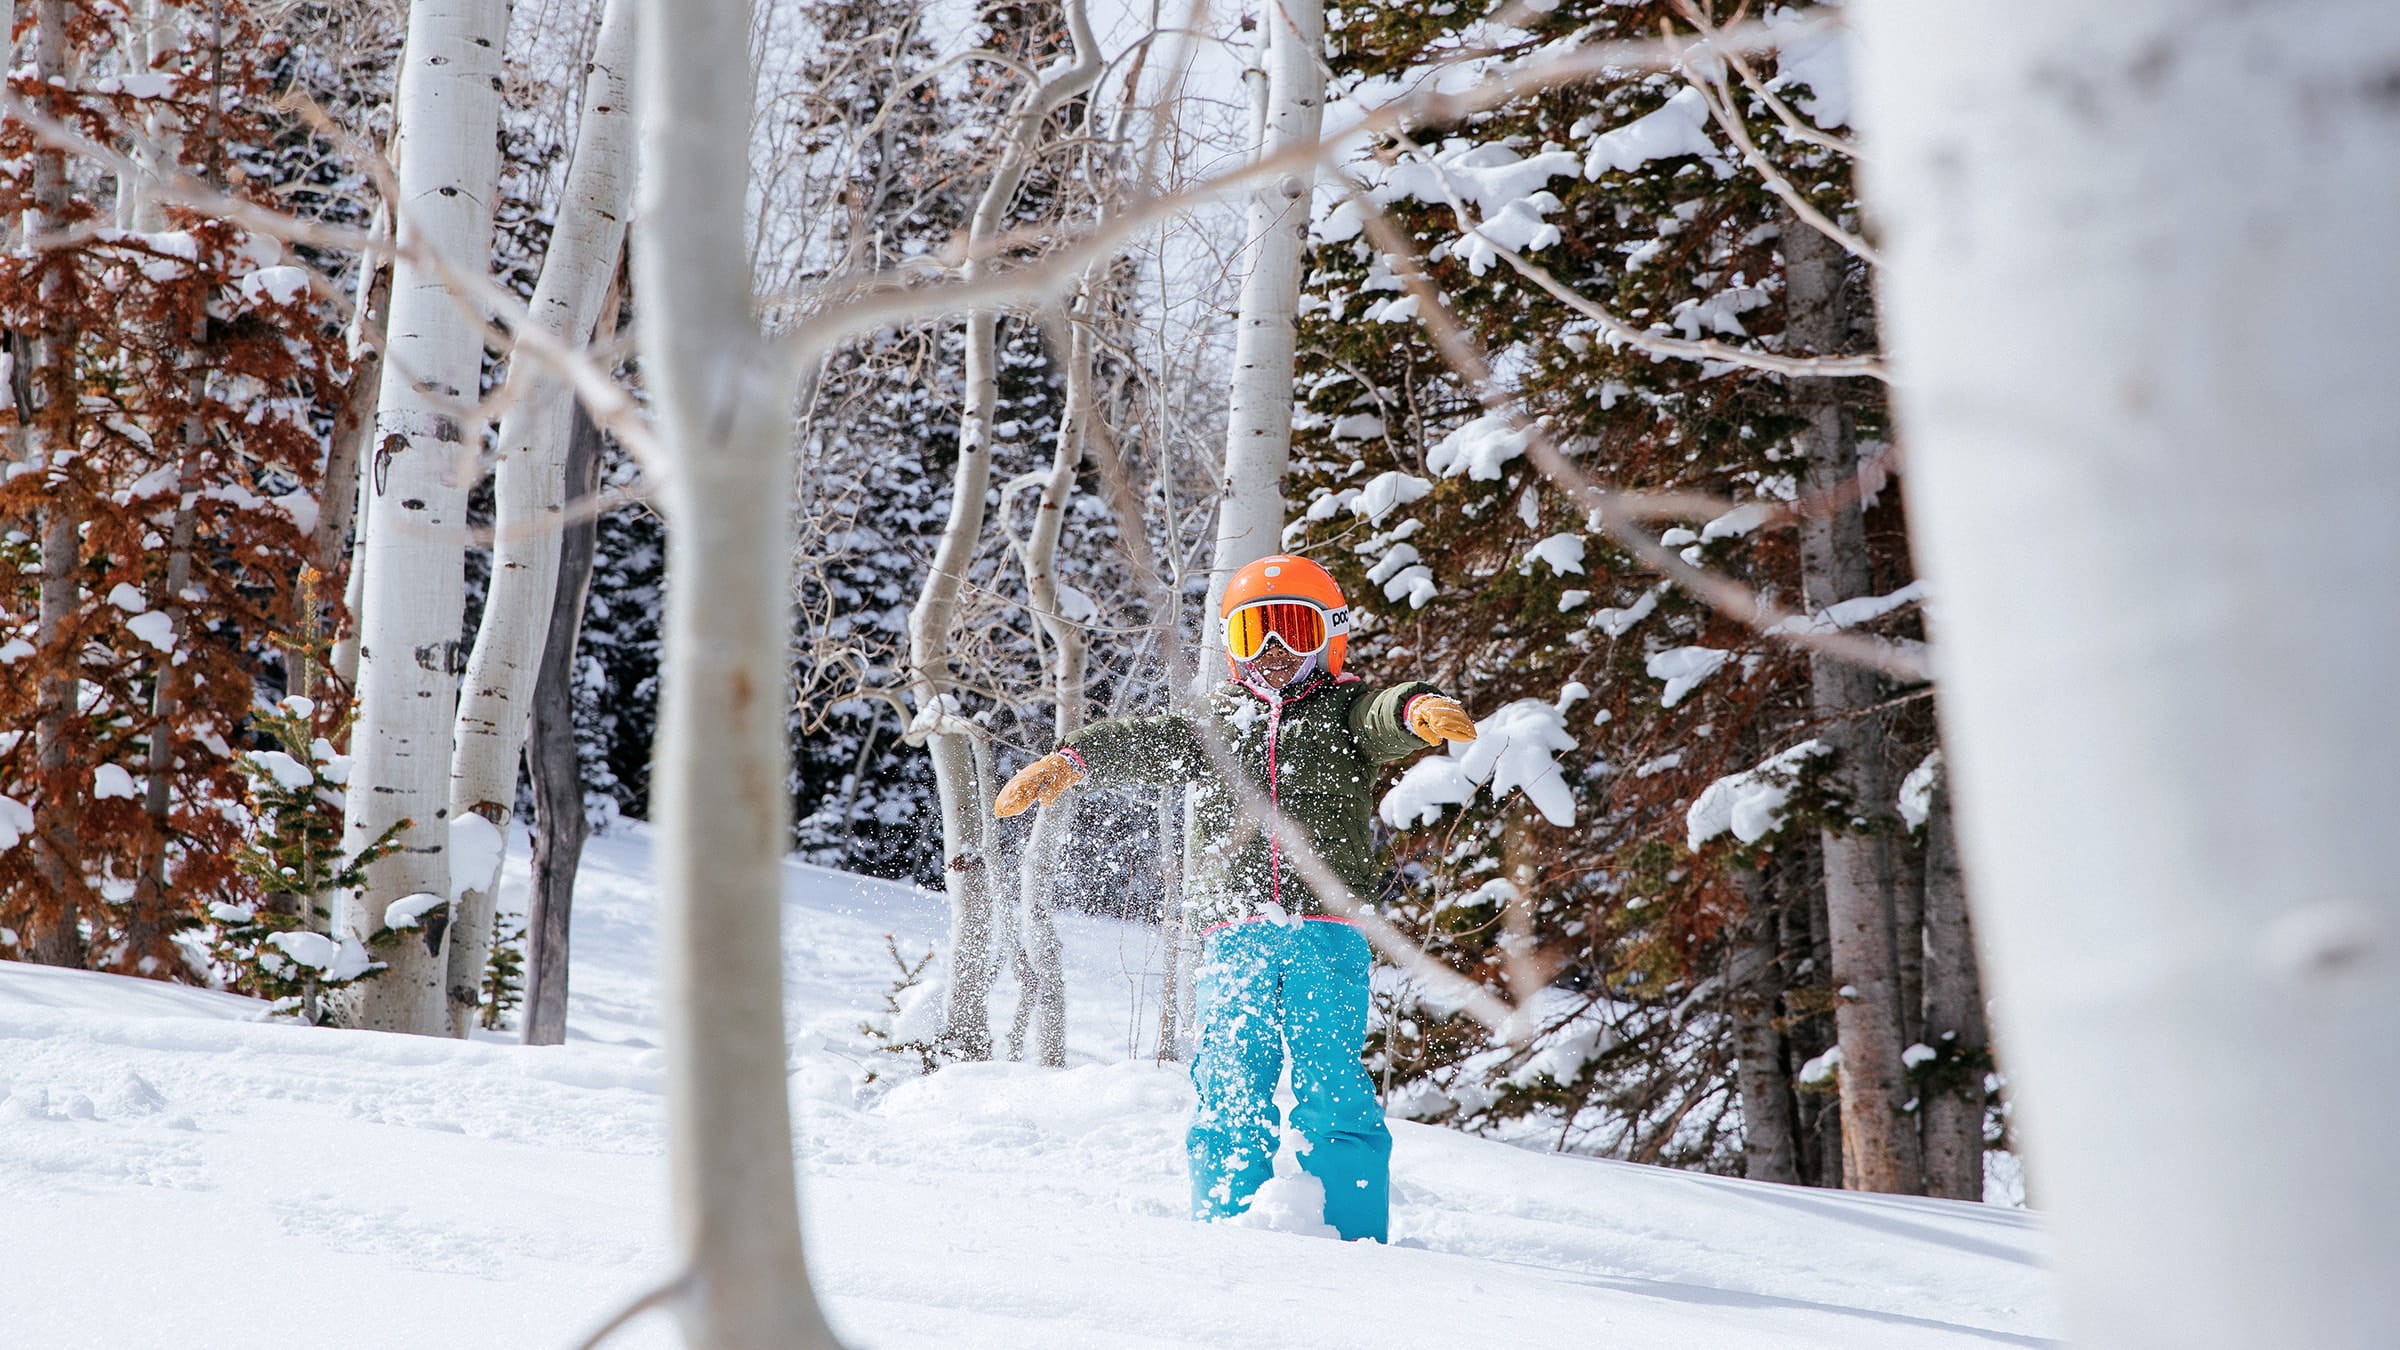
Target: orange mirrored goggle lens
(1299,627)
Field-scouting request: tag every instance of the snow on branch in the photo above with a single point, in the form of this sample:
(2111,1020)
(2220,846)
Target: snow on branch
(1818,59)
(1386,492)
(1851,613)
(1749,804)
(1515,747)
(1616,514)
(1708,79)
(1618,332)
(1677,127)
(847,306)
(1684,669)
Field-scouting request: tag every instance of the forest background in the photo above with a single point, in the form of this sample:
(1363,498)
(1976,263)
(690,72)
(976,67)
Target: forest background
(945,392)
(1712,864)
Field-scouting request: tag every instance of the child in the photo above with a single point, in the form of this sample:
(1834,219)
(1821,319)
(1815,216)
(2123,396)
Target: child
(1277,970)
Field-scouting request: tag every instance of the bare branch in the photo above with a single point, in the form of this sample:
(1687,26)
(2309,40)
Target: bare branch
(1621,332)
(606,400)
(1609,506)
(847,306)
(1713,91)
(658,1296)
(609,404)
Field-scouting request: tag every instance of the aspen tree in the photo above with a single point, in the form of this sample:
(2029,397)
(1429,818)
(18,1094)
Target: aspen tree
(421,461)
(2141,300)
(724,404)
(1258,431)
(529,494)
(964,794)
(1069,656)
(552,760)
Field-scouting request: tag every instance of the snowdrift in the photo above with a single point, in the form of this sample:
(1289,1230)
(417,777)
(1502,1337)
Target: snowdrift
(179,1173)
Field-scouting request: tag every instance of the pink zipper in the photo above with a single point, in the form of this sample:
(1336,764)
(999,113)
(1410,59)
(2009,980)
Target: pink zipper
(1274,799)
(1274,804)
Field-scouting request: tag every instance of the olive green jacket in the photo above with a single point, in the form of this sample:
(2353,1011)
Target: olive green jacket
(1326,743)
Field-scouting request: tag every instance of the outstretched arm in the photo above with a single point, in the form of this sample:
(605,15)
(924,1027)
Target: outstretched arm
(1161,750)
(1397,722)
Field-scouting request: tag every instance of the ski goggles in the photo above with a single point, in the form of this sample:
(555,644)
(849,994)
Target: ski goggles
(1301,627)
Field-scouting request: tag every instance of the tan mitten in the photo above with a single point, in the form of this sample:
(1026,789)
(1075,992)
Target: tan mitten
(1437,718)
(1043,781)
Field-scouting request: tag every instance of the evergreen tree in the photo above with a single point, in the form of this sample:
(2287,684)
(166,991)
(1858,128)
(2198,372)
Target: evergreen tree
(1469,568)
(276,944)
(159,514)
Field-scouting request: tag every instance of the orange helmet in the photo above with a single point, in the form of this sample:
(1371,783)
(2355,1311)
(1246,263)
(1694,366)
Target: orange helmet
(1289,578)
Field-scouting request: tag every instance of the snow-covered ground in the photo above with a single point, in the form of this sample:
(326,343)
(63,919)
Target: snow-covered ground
(174,1172)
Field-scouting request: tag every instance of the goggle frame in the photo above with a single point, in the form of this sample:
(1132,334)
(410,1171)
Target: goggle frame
(1331,623)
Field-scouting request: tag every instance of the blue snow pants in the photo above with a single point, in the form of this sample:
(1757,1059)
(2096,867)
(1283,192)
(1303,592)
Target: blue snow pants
(1263,986)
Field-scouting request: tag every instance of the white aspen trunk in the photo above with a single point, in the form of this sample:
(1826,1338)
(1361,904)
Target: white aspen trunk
(529,493)
(966,872)
(724,404)
(966,1018)
(965,802)
(1174,932)
(341,508)
(1258,432)
(147,22)
(420,467)
(2141,295)
(1879,1140)
(1069,649)
(1258,425)
(999,861)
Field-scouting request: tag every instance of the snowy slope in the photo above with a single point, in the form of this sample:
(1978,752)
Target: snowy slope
(176,1173)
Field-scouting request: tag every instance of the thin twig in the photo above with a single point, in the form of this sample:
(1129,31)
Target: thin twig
(1465,357)
(903,296)
(1642,340)
(479,295)
(1776,104)
(1721,106)
(659,1297)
